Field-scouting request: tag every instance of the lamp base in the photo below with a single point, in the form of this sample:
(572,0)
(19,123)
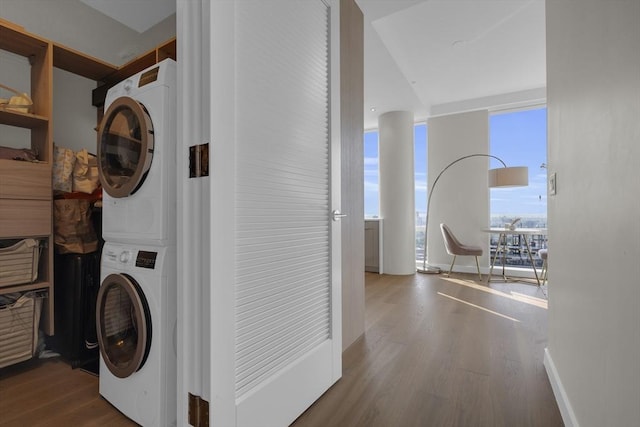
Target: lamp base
(429,269)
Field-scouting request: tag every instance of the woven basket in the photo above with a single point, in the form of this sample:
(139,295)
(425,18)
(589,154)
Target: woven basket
(20,102)
(19,329)
(19,262)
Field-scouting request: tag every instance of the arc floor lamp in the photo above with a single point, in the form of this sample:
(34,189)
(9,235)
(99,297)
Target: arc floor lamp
(516,176)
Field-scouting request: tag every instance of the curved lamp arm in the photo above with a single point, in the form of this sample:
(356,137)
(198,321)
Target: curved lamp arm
(425,267)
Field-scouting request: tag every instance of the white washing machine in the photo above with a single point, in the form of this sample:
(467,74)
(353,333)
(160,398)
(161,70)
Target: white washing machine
(137,157)
(136,324)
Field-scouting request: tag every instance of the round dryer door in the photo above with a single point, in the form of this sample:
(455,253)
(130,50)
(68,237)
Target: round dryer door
(125,147)
(123,324)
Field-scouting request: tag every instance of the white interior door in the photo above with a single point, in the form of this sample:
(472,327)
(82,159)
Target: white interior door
(261,309)
(283,304)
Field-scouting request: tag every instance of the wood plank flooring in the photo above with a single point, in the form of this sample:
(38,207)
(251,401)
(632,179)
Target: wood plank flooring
(436,352)
(49,393)
(444,352)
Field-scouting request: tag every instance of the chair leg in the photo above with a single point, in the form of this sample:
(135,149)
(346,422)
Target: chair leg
(543,273)
(478,267)
(451,268)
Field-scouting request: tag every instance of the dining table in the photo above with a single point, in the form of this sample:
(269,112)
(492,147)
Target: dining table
(501,247)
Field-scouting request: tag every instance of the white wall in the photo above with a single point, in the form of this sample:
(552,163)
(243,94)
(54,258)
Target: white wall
(15,73)
(593,74)
(74,118)
(461,197)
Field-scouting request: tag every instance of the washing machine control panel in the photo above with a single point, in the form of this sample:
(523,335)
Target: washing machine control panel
(117,257)
(146,259)
(125,258)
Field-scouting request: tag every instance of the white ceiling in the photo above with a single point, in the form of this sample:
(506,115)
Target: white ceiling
(443,56)
(431,57)
(139,15)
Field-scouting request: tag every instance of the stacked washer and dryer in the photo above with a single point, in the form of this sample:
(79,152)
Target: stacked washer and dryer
(136,305)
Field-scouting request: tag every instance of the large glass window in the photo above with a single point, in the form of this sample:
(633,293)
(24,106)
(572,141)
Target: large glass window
(520,139)
(371,176)
(420,170)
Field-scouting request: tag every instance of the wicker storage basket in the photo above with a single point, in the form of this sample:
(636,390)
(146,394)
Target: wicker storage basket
(19,262)
(19,329)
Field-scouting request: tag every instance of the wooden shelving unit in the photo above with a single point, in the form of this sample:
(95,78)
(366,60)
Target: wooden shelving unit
(25,188)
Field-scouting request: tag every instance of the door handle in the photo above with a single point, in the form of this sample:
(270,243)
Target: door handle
(336,215)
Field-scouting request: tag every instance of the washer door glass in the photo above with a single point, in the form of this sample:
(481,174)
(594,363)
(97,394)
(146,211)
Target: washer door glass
(125,147)
(123,323)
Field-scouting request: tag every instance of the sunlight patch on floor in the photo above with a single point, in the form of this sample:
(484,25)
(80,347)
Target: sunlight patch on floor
(477,306)
(515,296)
(530,299)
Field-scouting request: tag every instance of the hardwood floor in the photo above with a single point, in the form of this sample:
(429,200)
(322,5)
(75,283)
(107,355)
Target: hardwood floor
(49,393)
(436,352)
(433,355)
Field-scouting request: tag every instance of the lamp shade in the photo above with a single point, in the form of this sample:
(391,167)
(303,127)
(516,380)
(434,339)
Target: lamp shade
(517,176)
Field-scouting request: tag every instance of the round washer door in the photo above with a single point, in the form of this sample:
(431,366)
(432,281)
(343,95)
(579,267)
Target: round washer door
(123,324)
(125,147)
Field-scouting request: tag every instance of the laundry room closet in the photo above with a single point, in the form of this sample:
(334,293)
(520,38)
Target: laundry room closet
(57,61)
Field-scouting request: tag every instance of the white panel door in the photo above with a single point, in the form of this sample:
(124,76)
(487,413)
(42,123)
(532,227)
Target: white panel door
(259,296)
(284,340)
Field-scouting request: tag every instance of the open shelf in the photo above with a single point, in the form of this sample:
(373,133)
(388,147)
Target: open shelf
(16,41)
(23,120)
(78,63)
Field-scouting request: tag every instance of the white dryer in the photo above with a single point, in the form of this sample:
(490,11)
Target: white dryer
(136,324)
(137,157)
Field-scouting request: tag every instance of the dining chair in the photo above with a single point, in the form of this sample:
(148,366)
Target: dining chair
(455,247)
(544,255)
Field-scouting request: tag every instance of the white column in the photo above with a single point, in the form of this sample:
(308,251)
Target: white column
(397,194)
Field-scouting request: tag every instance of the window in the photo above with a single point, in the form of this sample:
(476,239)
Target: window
(420,171)
(520,139)
(371,176)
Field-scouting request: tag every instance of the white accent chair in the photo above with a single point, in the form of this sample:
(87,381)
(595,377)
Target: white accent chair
(455,248)
(544,255)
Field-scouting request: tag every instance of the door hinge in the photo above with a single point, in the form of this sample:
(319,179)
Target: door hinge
(198,411)
(198,160)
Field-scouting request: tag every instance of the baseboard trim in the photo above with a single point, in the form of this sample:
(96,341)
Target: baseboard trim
(511,272)
(566,411)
